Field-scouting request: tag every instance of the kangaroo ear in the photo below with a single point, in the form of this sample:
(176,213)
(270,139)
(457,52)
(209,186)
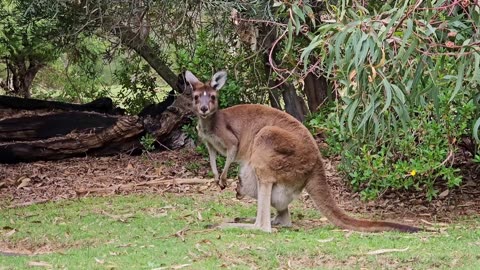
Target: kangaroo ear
(190,78)
(218,80)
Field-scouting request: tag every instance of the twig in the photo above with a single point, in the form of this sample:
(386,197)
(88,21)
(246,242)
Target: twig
(403,19)
(28,203)
(267,22)
(181,233)
(450,156)
(274,44)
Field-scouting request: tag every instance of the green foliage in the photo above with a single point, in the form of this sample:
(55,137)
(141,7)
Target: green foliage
(407,80)
(415,157)
(21,38)
(148,142)
(138,84)
(190,130)
(476,125)
(212,54)
(382,69)
(234,168)
(25,47)
(193,167)
(39,35)
(232,172)
(70,64)
(76,76)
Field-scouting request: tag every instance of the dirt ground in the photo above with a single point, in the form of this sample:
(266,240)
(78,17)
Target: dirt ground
(186,171)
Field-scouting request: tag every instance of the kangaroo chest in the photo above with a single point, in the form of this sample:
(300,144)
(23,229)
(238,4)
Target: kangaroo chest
(215,141)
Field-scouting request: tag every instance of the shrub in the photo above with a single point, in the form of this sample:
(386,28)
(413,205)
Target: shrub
(407,81)
(416,156)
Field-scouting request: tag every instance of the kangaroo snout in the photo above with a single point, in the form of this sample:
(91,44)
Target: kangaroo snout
(204,109)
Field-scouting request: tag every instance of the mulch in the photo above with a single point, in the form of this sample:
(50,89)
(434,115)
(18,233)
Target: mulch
(185,171)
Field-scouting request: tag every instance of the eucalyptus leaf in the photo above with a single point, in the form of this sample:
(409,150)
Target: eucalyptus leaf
(298,12)
(476,130)
(298,26)
(351,113)
(458,84)
(289,36)
(388,93)
(310,14)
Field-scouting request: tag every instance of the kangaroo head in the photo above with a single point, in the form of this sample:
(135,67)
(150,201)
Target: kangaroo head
(205,102)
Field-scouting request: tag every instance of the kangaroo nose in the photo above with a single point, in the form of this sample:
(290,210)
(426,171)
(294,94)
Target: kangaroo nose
(204,109)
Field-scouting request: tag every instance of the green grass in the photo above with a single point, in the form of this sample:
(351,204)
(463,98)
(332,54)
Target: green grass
(170,231)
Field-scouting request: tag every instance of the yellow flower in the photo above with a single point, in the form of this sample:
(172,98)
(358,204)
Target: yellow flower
(413,172)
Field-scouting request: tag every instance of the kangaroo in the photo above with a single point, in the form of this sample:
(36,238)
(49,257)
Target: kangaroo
(278,158)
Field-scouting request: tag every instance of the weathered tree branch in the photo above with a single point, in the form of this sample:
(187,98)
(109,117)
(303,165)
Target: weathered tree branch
(141,46)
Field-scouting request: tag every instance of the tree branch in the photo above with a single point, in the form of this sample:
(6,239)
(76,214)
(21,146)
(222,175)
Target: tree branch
(141,46)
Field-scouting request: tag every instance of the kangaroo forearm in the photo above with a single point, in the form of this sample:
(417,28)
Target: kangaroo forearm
(212,154)
(231,154)
(213,164)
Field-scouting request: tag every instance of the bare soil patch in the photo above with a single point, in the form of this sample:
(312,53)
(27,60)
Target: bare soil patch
(185,171)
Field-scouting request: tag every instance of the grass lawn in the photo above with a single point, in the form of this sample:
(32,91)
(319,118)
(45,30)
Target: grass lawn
(171,231)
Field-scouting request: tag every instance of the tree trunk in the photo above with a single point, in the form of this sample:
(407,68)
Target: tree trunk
(38,139)
(267,36)
(294,104)
(316,90)
(274,98)
(22,76)
(274,93)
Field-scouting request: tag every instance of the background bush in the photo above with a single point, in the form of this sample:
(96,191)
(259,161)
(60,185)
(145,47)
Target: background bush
(407,91)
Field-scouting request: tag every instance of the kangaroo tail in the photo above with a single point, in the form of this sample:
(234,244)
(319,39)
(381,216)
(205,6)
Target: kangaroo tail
(318,189)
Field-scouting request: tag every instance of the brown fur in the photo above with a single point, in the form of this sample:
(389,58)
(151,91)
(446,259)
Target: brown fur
(278,158)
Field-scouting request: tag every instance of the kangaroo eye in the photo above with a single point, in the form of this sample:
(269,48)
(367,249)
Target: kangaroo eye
(196,97)
(213,98)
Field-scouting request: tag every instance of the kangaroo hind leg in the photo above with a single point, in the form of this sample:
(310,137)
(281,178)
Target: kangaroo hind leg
(282,196)
(263,206)
(262,221)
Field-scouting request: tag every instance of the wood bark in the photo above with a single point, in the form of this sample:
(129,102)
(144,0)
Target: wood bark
(316,90)
(43,130)
(74,143)
(101,105)
(294,105)
(22,72)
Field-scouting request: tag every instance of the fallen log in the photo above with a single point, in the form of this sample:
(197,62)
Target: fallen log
(41,127)
(101,105)
(33,130)
(71,144)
